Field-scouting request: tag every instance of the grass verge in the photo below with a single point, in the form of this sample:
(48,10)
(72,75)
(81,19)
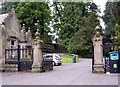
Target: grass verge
(69,60)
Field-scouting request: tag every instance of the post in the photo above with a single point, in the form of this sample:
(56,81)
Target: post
(18,57)
(98,65)
(74,58)
(37,54)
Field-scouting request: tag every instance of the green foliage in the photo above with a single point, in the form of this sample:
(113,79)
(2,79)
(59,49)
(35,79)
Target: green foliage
(7,6)
(77,30)
(116,11)
(34,15)
(112,21)
(118,33)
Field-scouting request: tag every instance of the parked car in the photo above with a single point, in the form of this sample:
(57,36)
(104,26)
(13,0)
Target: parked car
(57,59)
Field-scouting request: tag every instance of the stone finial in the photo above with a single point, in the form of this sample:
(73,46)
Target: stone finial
(23,33)
(37,34)
(29,36)
(13,8)
(97,37)
(23,28)
(97,31)
(29,33)
(97,28)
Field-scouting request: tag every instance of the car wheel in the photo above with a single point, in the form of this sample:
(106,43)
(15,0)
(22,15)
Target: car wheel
(59,63)
(54,63)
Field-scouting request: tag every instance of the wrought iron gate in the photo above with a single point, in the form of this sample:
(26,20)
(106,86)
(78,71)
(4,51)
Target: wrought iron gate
(23,57)
(47,55)
(109,47)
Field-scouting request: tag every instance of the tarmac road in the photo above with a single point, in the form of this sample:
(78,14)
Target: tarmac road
(67,74)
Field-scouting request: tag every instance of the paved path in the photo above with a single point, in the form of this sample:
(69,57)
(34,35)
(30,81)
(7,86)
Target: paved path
(68,74)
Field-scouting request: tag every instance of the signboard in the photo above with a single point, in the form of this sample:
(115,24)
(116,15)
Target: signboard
(114,62)
(114,56)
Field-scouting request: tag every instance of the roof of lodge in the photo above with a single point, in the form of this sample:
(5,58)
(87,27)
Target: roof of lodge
(2,17)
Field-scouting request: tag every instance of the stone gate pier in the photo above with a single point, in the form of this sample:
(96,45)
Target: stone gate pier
(37,56)
(98,63)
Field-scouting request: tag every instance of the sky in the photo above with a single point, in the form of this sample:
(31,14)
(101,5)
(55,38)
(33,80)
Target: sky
(101,4)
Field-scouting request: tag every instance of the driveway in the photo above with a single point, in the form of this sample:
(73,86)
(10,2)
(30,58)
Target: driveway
(67,74)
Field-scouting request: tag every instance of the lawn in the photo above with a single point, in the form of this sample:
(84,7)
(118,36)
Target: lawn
(68,59)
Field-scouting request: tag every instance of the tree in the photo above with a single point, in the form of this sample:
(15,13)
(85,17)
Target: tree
(117,33)
(112,21)
(7,6)
(34,15)
(57,7)
(78,21)
(116,11)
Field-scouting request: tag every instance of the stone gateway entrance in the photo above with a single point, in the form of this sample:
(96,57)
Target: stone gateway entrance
(20,52)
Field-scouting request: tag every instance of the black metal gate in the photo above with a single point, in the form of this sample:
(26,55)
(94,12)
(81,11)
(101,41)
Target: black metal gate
(92,58)
(47,55)
(23,57)
(109,47)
